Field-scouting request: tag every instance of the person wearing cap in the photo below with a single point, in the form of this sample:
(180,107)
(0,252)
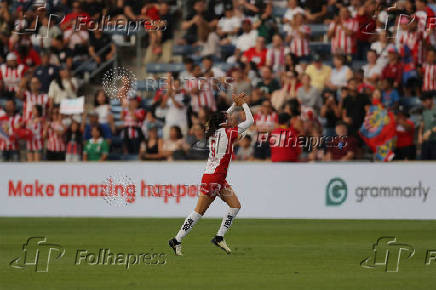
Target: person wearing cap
(393,69)
(12,73)
(318,72)
(405,147)
(427,129)
(248,37)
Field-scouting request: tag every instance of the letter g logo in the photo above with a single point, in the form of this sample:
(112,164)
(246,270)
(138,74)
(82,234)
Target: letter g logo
(336,192)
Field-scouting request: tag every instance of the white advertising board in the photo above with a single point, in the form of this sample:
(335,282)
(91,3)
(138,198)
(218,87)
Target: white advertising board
(266,190)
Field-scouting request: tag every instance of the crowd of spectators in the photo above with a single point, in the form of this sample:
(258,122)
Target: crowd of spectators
(381,53)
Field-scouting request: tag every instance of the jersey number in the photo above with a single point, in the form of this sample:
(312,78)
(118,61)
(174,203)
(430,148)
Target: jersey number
(214,146)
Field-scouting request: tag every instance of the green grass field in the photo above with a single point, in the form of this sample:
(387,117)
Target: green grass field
(267,254)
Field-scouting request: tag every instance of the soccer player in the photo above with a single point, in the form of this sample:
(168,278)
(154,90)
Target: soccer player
(222,132)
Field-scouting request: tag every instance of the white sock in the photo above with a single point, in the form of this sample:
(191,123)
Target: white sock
(188,224)
(227,221)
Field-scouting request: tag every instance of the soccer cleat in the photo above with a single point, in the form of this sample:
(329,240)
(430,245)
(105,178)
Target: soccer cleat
(176,246)
(221,243)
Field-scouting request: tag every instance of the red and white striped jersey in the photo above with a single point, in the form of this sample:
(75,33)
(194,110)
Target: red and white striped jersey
(414,41)
(31,99)
(12,76)
(205,96)
(221,150)
(55,141)
(276,57)
(341,42)
(429,77)
(36,143)
(266,121)
(421,16)
(73,148)
(131,123)
(300,43)
(13,123)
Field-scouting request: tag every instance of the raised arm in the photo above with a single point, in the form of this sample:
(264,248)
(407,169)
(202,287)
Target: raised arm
(249,120)
(239,100)
(231,108)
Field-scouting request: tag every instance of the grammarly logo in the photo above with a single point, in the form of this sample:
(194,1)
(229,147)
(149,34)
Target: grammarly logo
(38,253)
(387,254)
(336,192)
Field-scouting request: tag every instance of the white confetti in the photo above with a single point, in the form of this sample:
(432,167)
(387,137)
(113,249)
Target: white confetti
(120,190)
(119,83)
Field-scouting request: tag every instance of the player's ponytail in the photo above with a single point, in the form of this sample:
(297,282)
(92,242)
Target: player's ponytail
(215,120)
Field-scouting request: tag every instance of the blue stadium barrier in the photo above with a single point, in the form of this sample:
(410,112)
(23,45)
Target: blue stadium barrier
(320,47)
(357,64)
(185,49)
(164,67)
(319,28)
(279,12)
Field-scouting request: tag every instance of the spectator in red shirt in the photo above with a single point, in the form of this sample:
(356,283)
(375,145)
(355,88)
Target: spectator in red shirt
(284,142)
(26,55)
(77,17)
(406,148)
(366,31)
(393,69)
(343,146)
(256,54)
